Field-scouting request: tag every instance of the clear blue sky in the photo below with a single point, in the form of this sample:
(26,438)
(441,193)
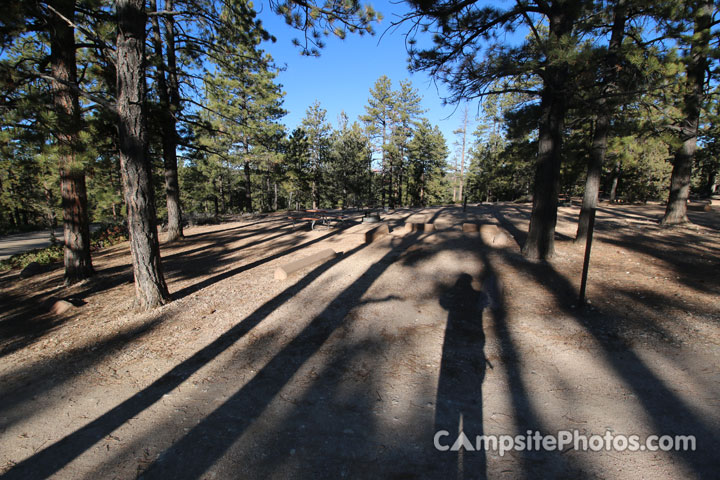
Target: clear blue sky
(341,78)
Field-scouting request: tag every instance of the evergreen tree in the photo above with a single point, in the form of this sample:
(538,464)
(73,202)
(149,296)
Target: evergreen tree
(350,165)
(299,169)
(319,137)
(244,106)
(150,288)
(405,113)
(427,154)
(166,78)
(697,63)
(462,30)
(53,23)
(378,123)
(462,145)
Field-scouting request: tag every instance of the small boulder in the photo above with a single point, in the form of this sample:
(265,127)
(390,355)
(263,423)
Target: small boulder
(32,269)
(500,240)
(60,307)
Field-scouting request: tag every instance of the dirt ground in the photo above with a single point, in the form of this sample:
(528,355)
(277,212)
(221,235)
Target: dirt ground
(348,368)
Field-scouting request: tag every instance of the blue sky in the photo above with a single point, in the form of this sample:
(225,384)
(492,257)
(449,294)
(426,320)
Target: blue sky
(341,78)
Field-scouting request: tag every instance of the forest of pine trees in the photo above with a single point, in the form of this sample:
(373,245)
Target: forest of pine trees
(149,112)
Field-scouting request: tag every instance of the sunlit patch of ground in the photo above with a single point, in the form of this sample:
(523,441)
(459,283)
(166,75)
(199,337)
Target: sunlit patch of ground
(348,368)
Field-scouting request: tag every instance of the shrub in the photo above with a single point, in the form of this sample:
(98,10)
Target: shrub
(42,256)
(105,236)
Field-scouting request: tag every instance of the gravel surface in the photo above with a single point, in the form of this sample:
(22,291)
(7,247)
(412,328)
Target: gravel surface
(348,368)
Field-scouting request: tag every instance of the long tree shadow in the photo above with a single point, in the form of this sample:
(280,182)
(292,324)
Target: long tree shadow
(189,290)
(692,270)
(27,319)
(464,359)
(534,463)
(213,258)
(459,408)
(40,379)
(335,408)
(520,236)
(668,413)
(218,239)
(230,229)
(54,457)
(229,421)
(704,219)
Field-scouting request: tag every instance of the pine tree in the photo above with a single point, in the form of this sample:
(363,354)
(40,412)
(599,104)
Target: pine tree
(244,104)
(54,21)
(350,165)
(166,77)
(406,112)
(299,169)
(462,131)
(150,288)
(427,154)
(462,30)
(318,133)
(696,65)
(378,121)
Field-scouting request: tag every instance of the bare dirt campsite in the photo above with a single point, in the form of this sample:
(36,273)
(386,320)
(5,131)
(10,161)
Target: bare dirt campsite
(349,367)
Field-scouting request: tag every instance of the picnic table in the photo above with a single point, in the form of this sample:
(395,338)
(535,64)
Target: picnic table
(317,216)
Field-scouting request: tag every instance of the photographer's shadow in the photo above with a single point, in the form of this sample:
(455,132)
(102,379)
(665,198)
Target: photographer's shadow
(462,370)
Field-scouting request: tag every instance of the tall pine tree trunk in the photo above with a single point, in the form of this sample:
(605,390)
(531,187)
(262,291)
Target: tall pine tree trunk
(172,184)
(168,122)
(150,288)
(78,264)
(248,185)
(696,65)
(602,124)
(462,154)
(592,182)
(275,197)
(313,191)
(540,243)
(614,182)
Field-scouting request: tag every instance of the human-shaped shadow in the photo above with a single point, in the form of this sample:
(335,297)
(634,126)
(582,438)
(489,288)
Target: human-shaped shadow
(462,370)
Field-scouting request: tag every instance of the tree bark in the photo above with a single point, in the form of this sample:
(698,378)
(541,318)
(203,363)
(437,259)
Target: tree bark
(399,177)
(76,225)
(462,155)
(592,182)
(462,172)
(602,124)
(614,182)
(314,194)
(275,197)
(150,288)
(51,217)
(168,121)
(540,243)
(696,65)
(248,186)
